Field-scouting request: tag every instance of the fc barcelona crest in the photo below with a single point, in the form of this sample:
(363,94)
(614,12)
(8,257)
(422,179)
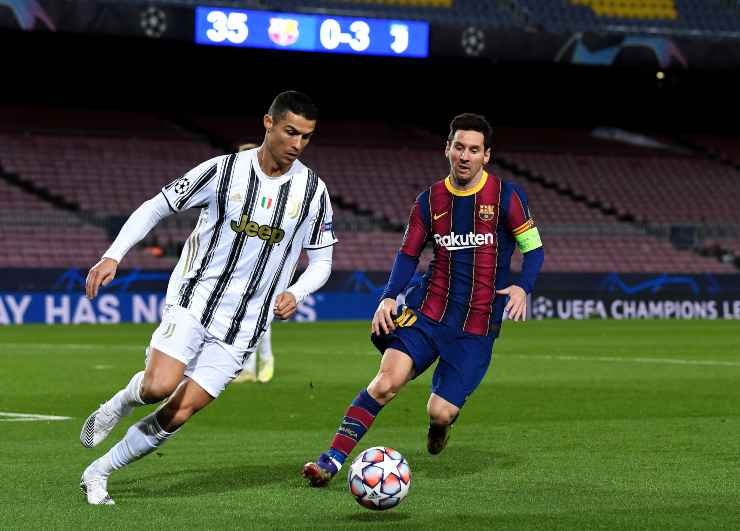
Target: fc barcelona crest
(283,31)
(487,212)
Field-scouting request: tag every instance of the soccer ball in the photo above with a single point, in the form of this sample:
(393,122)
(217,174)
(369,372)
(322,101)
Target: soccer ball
(379,478)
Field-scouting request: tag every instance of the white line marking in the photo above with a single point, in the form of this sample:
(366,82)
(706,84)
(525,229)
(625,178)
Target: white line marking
(71,346)
(613,359)
(28,417)
(666,361)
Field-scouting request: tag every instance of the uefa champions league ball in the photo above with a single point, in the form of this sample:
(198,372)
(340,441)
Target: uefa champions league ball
(379,478)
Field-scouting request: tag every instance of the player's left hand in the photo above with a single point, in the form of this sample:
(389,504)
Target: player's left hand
(285,305)
(516,308)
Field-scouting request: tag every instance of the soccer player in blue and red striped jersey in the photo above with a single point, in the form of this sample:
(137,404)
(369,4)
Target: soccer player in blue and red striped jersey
(453,314)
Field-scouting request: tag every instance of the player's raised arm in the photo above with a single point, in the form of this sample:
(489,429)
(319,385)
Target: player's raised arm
(194,188)
(133,231)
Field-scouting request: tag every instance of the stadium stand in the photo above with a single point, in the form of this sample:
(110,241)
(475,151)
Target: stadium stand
(687,16)
(571,253)
(112,175)
(373,170)
(571,230)
(593,15)
(657,189)
(439,11)
(650,9)
(722,147)
(35,234)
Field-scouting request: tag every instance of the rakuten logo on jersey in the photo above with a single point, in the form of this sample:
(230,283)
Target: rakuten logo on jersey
(454,242)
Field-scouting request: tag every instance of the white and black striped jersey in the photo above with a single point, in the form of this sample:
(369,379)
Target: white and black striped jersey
(247,242)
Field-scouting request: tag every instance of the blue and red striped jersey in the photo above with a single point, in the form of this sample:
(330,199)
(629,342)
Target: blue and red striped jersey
(474,233)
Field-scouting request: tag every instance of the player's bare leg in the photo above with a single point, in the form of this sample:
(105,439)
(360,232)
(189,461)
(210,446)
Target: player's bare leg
(396,369)
(441,416)
(142,438)
(184,403)
(158,381)
(160,378)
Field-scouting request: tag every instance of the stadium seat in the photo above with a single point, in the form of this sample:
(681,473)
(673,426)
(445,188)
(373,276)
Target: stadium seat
(373,188)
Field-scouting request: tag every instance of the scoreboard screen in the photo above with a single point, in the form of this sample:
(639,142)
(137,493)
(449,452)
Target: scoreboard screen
(311,33)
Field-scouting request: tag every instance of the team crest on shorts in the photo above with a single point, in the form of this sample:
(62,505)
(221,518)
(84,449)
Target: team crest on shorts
(487,212)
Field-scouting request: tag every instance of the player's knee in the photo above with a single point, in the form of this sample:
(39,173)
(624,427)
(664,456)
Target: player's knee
(384,387)
(152,391)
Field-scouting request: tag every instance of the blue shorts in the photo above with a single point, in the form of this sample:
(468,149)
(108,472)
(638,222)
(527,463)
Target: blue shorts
(463,357)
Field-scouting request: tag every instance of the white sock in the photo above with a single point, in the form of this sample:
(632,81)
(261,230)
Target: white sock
(265,346)
(250,364)
(125,400)
(141,439)
(103,465)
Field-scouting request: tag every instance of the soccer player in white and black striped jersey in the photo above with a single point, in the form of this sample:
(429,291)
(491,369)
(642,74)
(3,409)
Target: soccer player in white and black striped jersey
(259,209)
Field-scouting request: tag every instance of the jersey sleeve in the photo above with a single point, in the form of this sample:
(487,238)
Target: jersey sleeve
(321,228)
(417,231)
(520,222)
(197,187)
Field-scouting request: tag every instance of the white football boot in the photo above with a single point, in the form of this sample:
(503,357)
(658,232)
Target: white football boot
(267,369)
(95,486)
(249,370)
(98,426)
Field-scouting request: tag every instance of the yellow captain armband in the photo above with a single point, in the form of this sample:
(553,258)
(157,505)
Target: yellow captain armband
(528,240)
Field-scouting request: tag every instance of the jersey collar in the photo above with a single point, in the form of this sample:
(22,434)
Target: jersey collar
(477,188)
(275,180)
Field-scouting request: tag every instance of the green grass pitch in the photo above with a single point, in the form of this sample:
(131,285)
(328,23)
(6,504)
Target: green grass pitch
(578,425)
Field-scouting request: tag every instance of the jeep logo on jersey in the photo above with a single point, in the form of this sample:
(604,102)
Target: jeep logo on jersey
(271,235)
(454,242)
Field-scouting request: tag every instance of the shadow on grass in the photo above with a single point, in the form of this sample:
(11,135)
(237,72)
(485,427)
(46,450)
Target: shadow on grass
(196,482)
(458,461)
(377,516)
(454,462)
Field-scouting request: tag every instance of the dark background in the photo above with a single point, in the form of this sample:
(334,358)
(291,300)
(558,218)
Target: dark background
(76,70)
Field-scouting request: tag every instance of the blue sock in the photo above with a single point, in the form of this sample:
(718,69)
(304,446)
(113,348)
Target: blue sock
(357,420)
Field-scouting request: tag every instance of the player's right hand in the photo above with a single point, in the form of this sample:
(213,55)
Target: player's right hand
(383,318)
(100,274)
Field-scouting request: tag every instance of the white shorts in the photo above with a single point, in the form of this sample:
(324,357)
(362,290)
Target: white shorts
(209,362)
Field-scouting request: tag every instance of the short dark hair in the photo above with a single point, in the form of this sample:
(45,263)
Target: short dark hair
(295,102)
(472,122)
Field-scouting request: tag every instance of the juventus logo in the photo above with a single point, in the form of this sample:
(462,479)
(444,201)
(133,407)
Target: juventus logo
(169,331)
(294,208)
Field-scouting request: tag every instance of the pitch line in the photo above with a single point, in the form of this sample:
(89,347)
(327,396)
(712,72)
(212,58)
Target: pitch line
(613,359)
(28,417)
(71,346)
